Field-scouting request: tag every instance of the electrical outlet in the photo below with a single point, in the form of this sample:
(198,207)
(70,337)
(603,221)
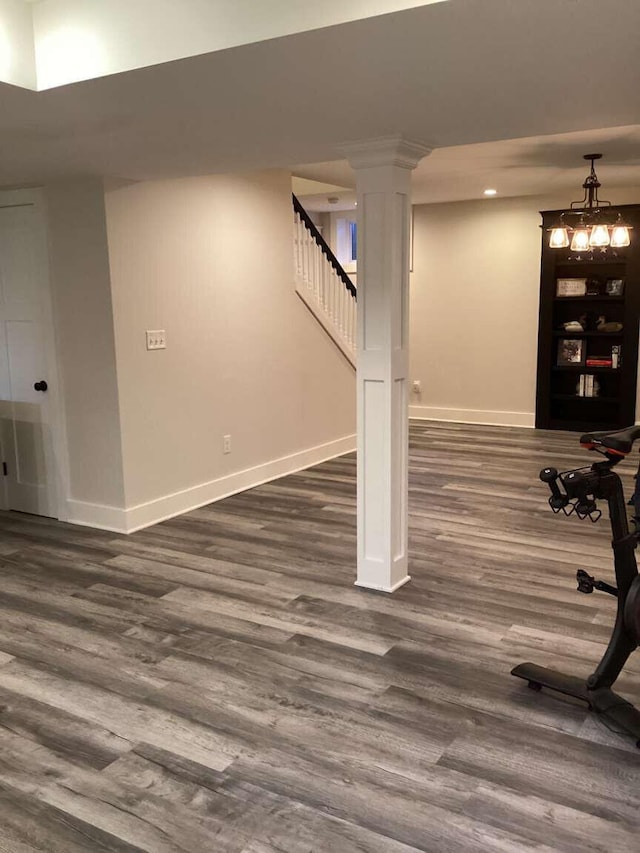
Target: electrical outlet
(226,444)
(157,339)
(416,387)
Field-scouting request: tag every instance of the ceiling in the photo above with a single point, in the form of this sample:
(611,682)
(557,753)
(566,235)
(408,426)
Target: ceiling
(536,165)
(457,75)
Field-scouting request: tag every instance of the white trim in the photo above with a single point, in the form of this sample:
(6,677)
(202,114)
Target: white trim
(97,515)
(57,406)
(326,323)
(144,515)
(473,416)
(385,151)
(390,589)
(58,466)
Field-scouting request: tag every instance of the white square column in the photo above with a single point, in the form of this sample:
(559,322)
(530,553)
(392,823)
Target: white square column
(383,179)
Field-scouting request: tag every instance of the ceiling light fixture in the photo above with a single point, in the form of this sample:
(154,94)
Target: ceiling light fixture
(491,192)
(596,227)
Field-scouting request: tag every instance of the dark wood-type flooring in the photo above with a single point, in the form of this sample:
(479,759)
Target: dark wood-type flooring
(217,683)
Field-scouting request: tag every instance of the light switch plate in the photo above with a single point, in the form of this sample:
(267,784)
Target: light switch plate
(157,339)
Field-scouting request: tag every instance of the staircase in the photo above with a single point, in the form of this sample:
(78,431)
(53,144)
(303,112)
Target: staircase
(322,284)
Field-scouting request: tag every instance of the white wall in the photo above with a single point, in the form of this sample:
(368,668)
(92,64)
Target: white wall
(474,308)
(210,261)
(81,297)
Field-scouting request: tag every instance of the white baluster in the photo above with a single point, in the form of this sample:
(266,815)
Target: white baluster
(332,295)
(314,257)
(295,246)
(345,309)
(307,259)
(298,247)
(354,334)
(354,321)
(327,289)
(323,289)
(301,244)
(347,314)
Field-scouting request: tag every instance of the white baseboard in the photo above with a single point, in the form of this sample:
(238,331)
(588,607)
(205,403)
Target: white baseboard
(144,515)
(473,416)
(393,588)
(96,515)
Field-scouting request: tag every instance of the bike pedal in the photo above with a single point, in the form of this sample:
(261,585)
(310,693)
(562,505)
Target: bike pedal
(585,582)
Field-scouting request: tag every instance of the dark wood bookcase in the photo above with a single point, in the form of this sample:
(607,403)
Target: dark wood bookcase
(558,403)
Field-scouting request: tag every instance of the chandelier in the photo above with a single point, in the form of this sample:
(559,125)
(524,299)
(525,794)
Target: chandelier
(595,226)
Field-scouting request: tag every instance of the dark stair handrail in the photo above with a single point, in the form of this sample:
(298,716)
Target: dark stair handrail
(322,243)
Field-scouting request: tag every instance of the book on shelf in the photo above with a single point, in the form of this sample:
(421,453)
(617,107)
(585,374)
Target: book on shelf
(587,386)
(596,361)
(616,355)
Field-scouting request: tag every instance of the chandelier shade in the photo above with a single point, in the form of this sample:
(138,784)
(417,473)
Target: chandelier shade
(559,238)
(620,235)
(580,240)
(599,236)
(597,226)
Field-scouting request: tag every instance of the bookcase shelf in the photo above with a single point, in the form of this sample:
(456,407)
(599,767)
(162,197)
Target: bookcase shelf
(565,334)
(585,399)
(582,368)
(558,404)
(595,261)
(596,258)
(588,298)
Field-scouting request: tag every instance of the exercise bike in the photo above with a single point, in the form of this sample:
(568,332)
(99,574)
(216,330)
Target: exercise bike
(577,493)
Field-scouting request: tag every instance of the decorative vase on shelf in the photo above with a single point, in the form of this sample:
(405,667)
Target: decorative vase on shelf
(604,326)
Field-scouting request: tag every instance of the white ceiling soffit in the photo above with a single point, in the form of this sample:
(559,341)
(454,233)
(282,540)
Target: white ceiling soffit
(17,52)
(449,74)
(56,42)
(309,187)
(515,167)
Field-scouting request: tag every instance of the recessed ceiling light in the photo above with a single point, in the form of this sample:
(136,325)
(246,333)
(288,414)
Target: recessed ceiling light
(490,192)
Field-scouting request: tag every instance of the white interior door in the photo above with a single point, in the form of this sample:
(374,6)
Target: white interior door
(25,335)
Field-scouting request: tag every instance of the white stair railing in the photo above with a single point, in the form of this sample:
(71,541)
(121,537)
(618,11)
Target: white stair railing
(322,284)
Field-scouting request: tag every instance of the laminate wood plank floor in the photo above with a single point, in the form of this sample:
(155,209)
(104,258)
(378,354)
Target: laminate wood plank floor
(217,683)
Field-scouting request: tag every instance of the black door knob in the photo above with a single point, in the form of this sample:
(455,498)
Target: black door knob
(41,386)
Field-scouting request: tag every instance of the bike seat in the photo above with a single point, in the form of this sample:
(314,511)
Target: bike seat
(619,442)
